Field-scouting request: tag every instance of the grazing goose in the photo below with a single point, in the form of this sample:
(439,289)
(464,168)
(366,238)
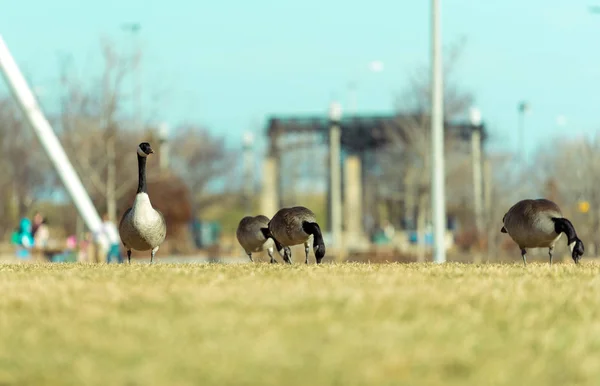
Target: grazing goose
(252,239)
(142,227)
(539,224)
(293,226)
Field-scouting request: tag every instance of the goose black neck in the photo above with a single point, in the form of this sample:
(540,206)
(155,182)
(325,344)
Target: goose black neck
(312,228)
(562,225)
(141,175)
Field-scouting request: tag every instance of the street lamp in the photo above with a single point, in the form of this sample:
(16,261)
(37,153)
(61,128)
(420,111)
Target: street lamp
(335,173)
(475,116)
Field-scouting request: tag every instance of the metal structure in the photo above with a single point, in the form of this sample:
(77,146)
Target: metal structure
(26,100)
(360,136)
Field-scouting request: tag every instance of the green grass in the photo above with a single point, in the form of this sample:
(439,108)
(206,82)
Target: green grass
(260,324)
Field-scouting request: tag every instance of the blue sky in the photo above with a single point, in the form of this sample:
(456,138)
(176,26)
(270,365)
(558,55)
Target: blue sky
(229,64)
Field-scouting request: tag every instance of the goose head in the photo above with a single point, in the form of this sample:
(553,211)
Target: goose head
(144,149)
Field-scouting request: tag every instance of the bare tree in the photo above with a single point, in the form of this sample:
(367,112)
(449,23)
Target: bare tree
(90,121)
(570,170)
(203,161)
(26,171)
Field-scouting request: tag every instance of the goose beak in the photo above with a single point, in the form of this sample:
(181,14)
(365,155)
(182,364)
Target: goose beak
(151,151)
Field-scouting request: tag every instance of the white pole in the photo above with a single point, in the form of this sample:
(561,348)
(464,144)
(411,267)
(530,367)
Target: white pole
(47,137)
(476,128)
(477,177)
(438,197)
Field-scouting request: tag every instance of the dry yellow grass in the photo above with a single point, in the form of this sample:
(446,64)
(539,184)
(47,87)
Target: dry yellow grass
(261,324)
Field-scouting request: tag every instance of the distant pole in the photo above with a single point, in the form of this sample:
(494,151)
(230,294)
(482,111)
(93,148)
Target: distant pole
(335,173)
(26,100)
(522,109)
(438,195)
(487,187)
(248,172)
(477,168)
(375,66)
(163,134)
(134,28)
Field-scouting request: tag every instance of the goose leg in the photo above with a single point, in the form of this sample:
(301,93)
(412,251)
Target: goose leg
(550,250)
(270,252)
(279,248)
(287,255)
(250,256)
(129,256)
(306,250)
(523,253)
(152,254)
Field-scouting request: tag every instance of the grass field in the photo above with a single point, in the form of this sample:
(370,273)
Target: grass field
(261,324)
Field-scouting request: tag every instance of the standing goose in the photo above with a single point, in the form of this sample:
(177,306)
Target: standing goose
(539,224)
(252,238)
(142,227)
(293,226)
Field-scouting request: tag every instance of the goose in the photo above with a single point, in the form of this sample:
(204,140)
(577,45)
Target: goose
(142,227)
(539,223)
(293,226)
(251,238)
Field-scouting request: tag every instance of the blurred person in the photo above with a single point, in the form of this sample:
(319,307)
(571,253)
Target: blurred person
(84,247)
(70,251)
(38,220)
(71,242)
(108,238)
(42,234)
(388,229)
(23,239)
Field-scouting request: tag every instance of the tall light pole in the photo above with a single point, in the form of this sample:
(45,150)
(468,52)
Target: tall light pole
(438,195)
(475,117)
(335,173)
(134,28)
(522,109)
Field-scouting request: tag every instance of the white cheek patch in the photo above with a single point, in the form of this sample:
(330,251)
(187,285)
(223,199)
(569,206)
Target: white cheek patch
(141,152)
(572,246)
